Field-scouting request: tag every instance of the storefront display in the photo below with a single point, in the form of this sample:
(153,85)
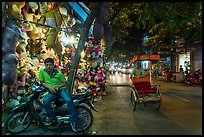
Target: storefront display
(33,35)
(184,60)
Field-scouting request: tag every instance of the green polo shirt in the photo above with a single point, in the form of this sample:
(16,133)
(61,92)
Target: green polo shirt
(52,80)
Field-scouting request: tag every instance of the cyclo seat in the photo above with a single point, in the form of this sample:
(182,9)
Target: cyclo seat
(143,85)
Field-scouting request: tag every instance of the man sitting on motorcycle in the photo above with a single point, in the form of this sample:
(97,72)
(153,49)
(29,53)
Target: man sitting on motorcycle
(55,81)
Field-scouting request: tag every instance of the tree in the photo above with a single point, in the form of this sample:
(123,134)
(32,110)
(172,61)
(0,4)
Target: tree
(180,20)
(163,22)
(127,36)
(83,38)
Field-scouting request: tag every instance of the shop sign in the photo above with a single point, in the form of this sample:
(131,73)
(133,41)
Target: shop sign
(145,57)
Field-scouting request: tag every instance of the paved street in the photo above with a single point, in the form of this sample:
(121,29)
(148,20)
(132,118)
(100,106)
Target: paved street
(180,112)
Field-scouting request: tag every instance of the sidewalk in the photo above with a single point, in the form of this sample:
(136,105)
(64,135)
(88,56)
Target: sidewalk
(181,86)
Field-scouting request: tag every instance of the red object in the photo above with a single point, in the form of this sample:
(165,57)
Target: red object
(19,56)
(143,85)
(195,80)
(144,57)
(144,88)
(91,38)
(57,63)
(24,10)
(17,84)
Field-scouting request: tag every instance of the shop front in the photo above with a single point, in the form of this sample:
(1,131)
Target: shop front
(42,30)
(184,61)
(197,59)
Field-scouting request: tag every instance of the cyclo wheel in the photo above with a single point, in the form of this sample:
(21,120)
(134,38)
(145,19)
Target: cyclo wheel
(133,100)
(158,104)
(18,122)
(155,104)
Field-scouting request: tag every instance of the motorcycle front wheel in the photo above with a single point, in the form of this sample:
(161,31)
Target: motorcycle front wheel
(85,119)
(18,122)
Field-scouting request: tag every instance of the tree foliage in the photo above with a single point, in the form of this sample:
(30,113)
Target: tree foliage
(177,19)
(161,21)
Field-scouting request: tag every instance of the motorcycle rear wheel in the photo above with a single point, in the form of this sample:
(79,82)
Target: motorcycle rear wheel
(18,122)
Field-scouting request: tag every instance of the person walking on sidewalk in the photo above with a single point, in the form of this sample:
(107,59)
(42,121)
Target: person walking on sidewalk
(181,69)
(55,81)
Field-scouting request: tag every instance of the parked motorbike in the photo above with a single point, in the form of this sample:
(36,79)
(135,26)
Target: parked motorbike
(21,116)
(195,78)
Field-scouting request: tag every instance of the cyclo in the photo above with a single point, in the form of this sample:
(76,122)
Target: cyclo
(142,89)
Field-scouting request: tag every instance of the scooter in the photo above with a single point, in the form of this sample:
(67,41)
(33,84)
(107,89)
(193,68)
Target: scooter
(195,78)
(22,115)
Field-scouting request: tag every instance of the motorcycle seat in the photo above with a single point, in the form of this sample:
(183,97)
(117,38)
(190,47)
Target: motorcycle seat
(81,95)
(74,96)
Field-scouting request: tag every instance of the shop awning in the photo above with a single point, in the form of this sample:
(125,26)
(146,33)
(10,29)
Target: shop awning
(82,11)
(144,57)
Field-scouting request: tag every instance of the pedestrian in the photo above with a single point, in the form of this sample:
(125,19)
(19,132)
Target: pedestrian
(55,81)
(181,69)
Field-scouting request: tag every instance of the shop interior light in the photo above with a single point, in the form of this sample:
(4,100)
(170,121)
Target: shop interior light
(71,39)
(68,40)
(82,54)
(64,39)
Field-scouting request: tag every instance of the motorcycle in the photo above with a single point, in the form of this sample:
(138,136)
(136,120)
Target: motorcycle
(195,78)
(22,115)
